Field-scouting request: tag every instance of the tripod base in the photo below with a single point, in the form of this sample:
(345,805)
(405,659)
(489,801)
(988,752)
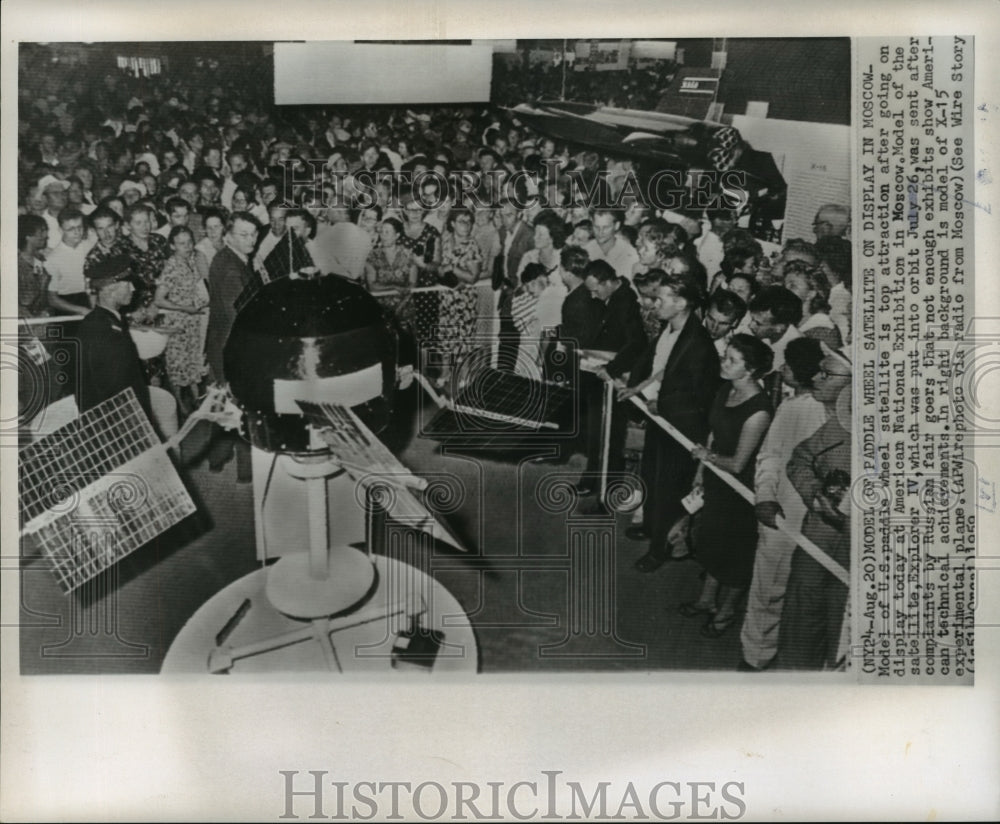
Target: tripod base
(293,591)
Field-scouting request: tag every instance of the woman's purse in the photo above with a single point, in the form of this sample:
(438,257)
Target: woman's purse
(680,538)
(448,278)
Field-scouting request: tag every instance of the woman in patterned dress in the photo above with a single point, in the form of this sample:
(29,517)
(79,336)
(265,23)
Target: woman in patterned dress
(183,295)
(424,241)
(461,263)
(390,266)
(148,252)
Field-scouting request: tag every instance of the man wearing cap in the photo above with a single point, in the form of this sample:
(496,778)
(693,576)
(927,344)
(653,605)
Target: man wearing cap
(68,287)
(54,190)
(109,359)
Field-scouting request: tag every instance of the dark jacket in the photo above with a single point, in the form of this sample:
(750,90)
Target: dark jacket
(690,379)
(524,239)
(228,276)
(109,361)
(581,318)
(621,330)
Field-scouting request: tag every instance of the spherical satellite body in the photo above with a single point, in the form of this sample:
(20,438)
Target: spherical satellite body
(321,340)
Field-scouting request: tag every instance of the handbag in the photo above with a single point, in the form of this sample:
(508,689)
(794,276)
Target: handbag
(448,278)
(680,538)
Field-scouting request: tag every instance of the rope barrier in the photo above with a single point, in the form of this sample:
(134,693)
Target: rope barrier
(808,546)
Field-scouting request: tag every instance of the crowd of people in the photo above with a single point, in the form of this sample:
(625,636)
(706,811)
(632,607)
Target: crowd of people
(146,204)
(634,88)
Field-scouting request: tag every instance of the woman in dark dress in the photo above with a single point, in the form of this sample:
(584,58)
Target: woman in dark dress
(726,536)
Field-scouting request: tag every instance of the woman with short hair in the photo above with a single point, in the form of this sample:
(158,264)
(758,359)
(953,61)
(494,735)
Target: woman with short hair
(726,532)
(183,295)
(810,285)
(461,265)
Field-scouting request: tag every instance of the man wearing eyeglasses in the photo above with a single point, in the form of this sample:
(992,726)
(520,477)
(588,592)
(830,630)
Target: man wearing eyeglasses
(832,220)
(819,469)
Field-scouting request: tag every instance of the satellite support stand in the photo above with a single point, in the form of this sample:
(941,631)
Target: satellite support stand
(329,579)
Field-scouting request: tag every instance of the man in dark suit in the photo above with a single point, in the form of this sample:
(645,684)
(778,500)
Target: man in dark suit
(678,375)
(581,314)
(516,238)
(109,359)
(230,273)
(580,321)
(621,332)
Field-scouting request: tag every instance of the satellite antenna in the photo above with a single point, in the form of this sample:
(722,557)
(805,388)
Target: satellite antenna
(107,466)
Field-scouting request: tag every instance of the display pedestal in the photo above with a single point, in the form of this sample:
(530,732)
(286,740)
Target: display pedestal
(330,579)
(362,642)
(293,590)
(281,521)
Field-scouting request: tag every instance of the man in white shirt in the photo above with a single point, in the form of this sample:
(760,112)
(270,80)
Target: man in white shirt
(709,246)
(795,420)
(68,293)
(276,231)
(835,261)
(56,199)
(650,297)
(610,246)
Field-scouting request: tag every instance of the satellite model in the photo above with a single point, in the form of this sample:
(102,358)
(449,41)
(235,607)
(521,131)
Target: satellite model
(311,368)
